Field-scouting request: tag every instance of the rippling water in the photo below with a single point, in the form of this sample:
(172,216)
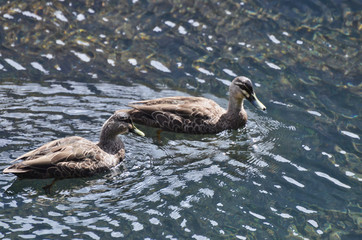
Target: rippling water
(292,173)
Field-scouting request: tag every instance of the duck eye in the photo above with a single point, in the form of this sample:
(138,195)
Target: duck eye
(123,118)
(243,87)
(249,88)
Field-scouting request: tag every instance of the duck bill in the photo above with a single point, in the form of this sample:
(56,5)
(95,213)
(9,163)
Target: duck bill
(137,131)
(255,101)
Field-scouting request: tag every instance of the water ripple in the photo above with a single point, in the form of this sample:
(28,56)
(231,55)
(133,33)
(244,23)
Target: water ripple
(291,172)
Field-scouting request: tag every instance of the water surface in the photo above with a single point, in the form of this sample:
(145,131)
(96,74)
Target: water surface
(291,173)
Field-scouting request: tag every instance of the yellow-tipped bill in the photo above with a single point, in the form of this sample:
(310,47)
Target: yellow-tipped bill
(255,101)
(137,131)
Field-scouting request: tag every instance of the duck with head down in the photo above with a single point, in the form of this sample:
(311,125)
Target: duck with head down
(197,114)
(75,156)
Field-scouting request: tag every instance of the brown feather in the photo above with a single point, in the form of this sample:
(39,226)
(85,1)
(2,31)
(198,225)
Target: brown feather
(75,156)
(195,114)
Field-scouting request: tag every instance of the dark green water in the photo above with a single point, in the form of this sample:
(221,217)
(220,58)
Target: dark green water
(293,172)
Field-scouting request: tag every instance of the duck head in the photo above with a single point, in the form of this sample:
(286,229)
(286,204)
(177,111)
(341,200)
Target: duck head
(242,87)
(120,122)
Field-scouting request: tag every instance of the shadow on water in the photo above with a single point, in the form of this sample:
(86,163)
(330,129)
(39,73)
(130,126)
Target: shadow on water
(34,187)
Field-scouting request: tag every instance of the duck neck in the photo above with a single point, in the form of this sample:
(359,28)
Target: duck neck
(109,141)
(235,106)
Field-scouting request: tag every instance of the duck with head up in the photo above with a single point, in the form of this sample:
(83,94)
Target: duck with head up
(197,115)
(75,156)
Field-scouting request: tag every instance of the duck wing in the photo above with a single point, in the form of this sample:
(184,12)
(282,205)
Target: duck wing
(171,100)
(178,114)
(68,149)
(55,146)
(184,107)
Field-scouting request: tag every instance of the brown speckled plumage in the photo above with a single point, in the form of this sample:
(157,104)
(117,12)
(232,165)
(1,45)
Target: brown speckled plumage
(196,114)
(76,156)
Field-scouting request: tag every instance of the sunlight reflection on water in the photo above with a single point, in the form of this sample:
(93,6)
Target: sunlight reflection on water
(292,172)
